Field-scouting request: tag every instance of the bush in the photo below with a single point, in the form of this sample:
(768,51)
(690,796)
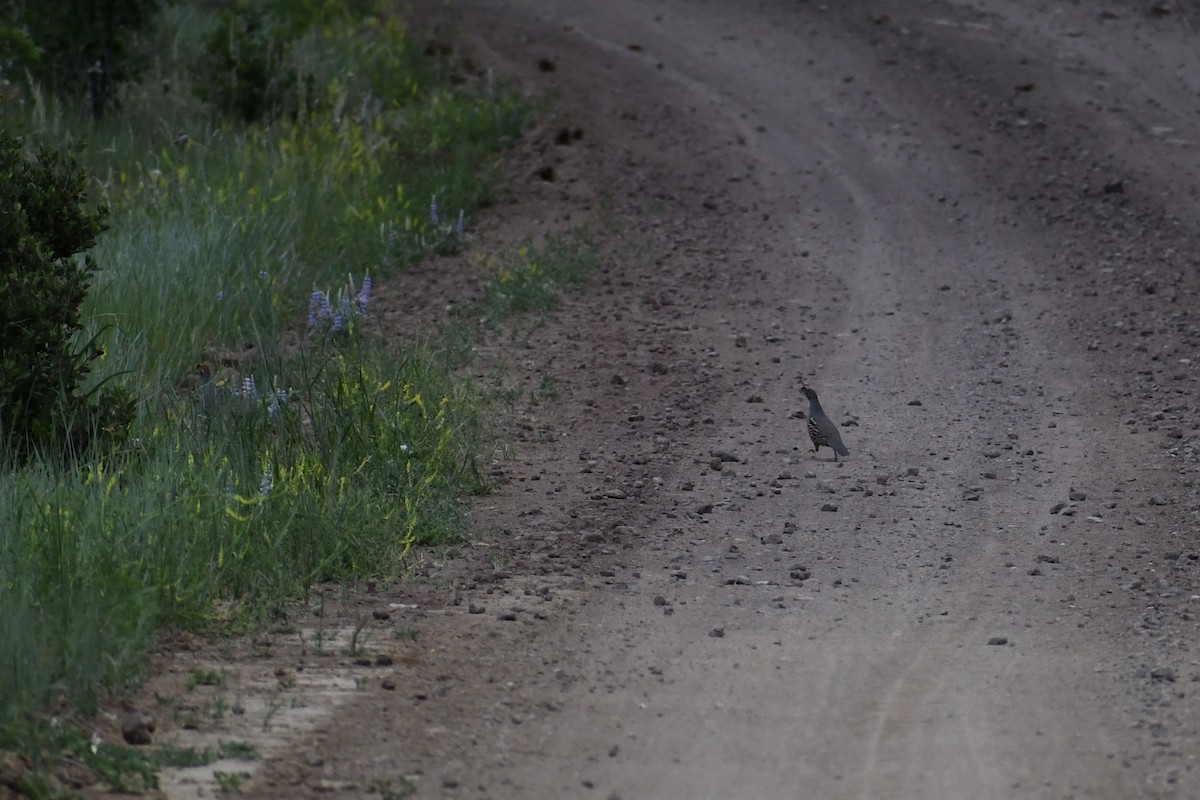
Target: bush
(248,71)
(44,227)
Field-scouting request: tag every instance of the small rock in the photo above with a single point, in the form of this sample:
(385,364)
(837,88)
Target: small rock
(716,464)
(383,660)
(972,494)
(508,616)
(772,538)
(740,580)
(1076,496)
(1057,507)
(717,633)
(659,600)
(593,537)
(1157,500)
(996,641)
(1046,559)
(915,402)
(380,614)
(136,728)
(912,472)
(475,608)
(829,507)
(388,684)
(739,340)
(724,455)
(1163,674)
(704,508)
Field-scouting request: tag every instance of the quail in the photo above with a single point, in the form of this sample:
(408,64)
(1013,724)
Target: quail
(821,429)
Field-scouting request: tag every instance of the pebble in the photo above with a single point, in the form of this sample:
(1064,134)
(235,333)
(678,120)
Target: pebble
(829,507)
(1077,496)
(388,684)
(996,641)
(772,538)
(380,614)
(1163,674)
(972,494)
(475,608)
(717,633)
(704,508)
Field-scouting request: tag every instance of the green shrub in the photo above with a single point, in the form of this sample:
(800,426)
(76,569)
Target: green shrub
(249,71)
(77,47)
(45,226)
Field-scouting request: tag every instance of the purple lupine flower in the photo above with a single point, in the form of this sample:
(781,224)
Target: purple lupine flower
(220,295)
(345,306)
(326,306)
(364,294)
(433,211)
(314,306)
(249,390)
(267,483)
(337,323)
(262,273)
(460,227)
(277,400)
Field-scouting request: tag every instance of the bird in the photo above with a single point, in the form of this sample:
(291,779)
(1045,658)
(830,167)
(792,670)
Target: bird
(821,429)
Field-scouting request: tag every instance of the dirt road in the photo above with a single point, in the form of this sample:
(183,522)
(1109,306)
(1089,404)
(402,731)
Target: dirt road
(973,228)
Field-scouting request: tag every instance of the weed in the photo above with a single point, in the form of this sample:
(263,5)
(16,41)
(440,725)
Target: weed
(389,789)
(273,703)
(411,634)
(242,751)
(205,677)
(358,639)
(533,279)
(547,388)
(230,782)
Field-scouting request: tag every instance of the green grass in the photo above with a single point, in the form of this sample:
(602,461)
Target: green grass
(319,452)
(533,279)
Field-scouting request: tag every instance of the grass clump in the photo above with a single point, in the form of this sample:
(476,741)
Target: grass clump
(532,280)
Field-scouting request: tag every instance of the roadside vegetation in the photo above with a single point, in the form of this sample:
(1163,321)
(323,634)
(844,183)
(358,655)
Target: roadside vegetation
(198,418)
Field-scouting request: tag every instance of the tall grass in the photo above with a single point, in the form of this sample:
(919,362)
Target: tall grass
(316,454)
